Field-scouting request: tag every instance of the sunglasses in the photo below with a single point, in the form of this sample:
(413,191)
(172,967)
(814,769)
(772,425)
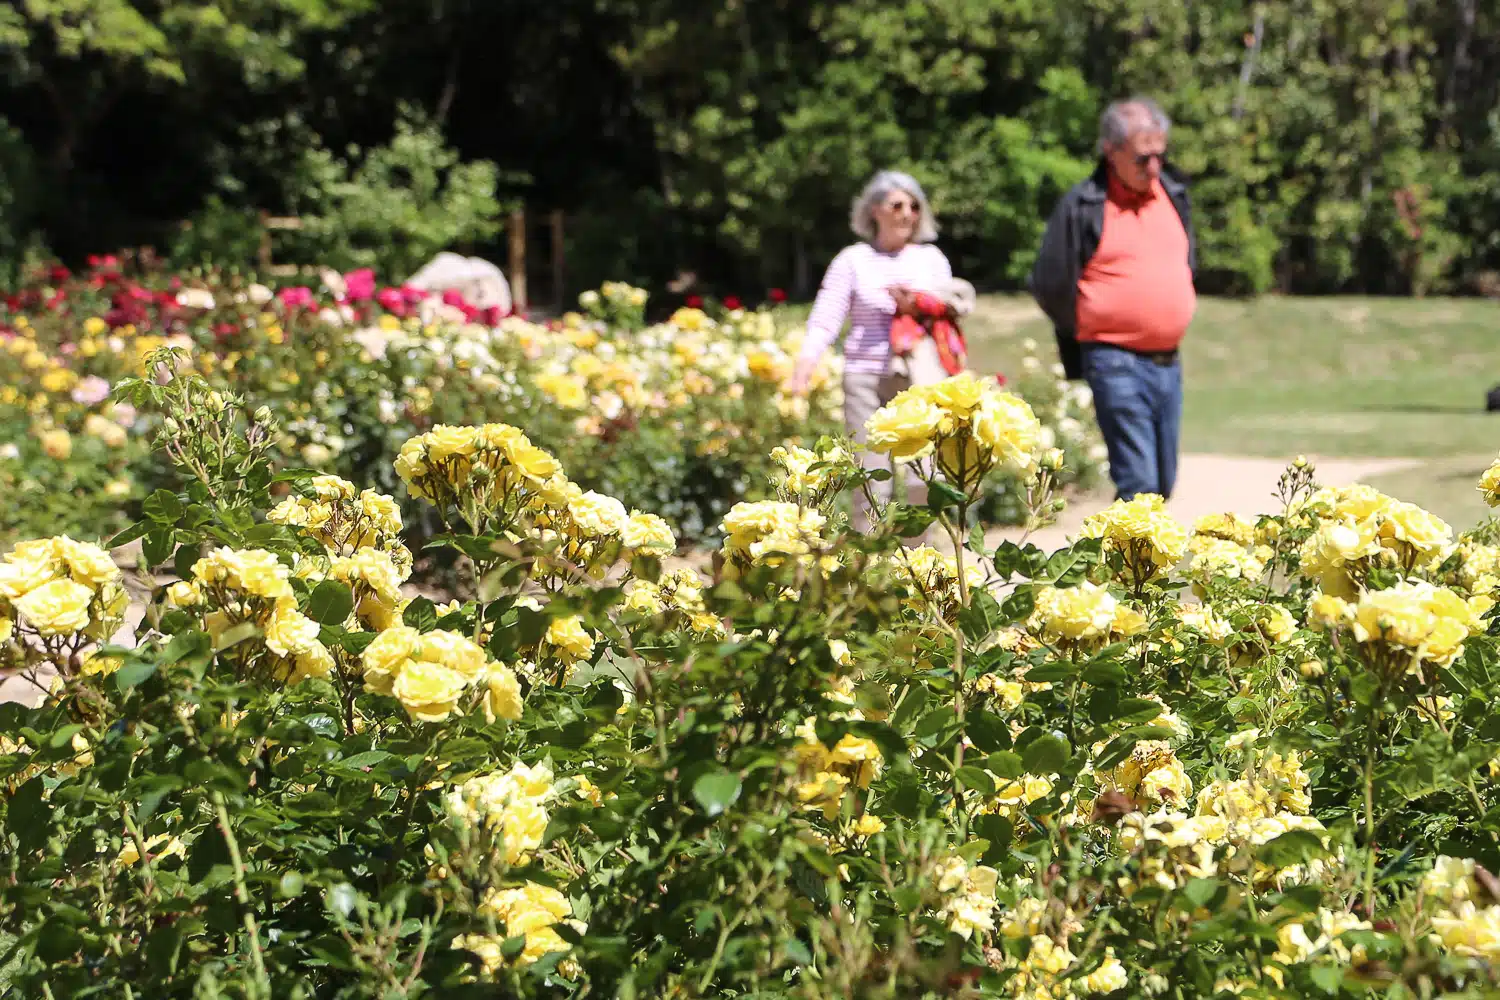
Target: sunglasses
(901,206)
(1144,159)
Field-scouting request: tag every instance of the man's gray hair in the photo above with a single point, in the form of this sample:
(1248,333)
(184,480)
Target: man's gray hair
(1123,118)
(862,215)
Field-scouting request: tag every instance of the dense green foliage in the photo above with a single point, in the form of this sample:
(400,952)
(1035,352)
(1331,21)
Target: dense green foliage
(1336,144)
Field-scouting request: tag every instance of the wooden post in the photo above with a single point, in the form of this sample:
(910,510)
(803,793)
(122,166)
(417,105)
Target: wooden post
(265,244)
(557,259)
(518,259)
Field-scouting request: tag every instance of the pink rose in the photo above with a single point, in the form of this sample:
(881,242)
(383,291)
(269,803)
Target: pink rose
(299,296)
(360,285)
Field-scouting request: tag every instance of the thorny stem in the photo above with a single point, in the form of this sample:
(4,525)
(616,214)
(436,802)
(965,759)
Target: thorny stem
(1371,740)
(242,895)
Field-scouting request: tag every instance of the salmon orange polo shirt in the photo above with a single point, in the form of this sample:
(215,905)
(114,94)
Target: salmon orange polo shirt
(1137,291)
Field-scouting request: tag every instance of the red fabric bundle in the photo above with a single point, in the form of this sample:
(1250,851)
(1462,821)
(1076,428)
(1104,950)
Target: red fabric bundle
(933,319)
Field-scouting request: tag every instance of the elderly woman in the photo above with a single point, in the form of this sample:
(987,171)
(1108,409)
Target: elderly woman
(871,283)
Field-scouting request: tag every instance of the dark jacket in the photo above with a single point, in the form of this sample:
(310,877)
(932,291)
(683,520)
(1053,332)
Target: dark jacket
(1071,239)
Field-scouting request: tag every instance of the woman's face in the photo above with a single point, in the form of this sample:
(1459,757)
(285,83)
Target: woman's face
(896,217)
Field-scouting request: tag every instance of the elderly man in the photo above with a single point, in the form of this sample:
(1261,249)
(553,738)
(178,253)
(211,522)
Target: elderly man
(1115,276)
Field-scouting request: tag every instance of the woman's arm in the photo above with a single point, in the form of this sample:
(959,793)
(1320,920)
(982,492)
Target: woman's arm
(824,323)
(830,308)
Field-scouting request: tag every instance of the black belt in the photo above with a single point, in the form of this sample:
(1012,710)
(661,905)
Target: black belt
(1163,359)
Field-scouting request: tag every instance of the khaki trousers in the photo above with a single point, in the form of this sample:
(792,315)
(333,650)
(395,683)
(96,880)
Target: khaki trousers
(865,393)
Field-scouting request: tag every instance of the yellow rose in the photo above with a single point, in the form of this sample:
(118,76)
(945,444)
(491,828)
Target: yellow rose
(532,462)
(648,533)
(1086,611)
(453,651)
(569,638)
(1489,485)
(597,515)
(289,632)
(445,442)
(387,655)
(502,695)
(57,443)
(60,607)
(88,564)
(906,428)
(428,691)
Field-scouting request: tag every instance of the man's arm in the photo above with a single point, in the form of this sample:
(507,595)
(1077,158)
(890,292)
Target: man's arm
(1054,277)
(1054,284)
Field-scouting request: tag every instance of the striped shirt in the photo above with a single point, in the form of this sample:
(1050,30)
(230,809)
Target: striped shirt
(855,289)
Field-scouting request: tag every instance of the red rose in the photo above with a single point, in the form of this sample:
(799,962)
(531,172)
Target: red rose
(777,295)
(732,302)
(59,274)
(694,302)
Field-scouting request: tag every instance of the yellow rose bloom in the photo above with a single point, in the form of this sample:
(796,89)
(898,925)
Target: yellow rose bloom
(60,607)
(906,428)
(428,691)
(57,443)
(386,655)
(502,694)
(1074,614)
(571,641)
(648,533)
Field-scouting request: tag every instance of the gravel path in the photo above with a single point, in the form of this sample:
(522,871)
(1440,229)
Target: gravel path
(1212,484)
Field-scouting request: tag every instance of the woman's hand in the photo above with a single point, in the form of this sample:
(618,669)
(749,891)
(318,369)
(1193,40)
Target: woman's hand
(905,298)
(802,375)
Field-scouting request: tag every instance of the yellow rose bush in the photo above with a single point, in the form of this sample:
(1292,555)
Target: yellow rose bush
(1246,755)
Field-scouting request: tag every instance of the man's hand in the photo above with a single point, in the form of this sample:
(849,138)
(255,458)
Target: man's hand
(802,375)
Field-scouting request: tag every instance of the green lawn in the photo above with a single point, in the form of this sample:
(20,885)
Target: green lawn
(1329,377)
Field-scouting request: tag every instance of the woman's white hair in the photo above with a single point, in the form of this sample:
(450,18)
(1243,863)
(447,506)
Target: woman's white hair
(862,215)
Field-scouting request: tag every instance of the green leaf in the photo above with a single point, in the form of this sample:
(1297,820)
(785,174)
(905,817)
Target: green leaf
(987,730)
(976,539)
(130,534)
(1291,848)
(420,614)
(163,507)
(997,830)
(27,817)
(716,791)
(1019,606)
(149,792)
(1199,892)
(1047,754)
(133,674)
(157,546)
(1327,978)
(981,618)
(331,602)
(236,635)
(912,521)
(941,495)
(183,560)
(910,706)
(1005,764)
(976,779)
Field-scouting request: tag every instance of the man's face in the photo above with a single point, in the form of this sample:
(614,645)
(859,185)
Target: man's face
(1137,160)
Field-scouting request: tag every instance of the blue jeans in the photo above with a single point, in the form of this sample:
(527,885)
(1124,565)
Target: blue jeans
(1139,406)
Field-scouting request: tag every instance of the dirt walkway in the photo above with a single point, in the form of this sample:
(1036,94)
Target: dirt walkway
(1213,484)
